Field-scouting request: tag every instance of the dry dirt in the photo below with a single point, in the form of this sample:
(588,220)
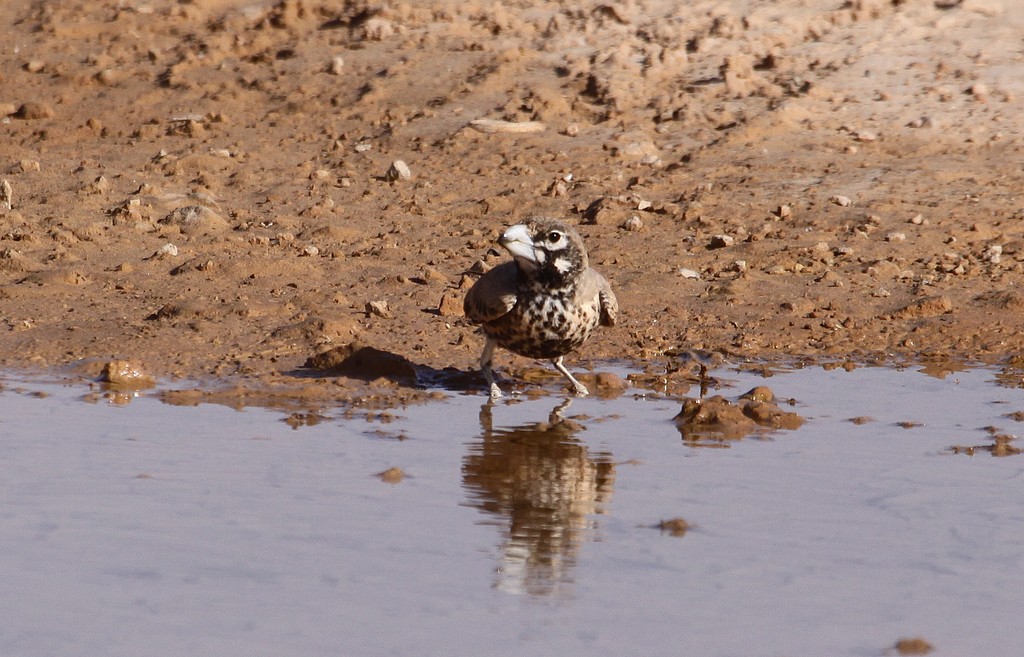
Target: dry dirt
(202,187)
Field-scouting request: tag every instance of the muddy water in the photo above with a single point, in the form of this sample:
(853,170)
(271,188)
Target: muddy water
(525,527)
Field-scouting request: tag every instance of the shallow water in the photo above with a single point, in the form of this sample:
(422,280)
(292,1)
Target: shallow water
(151,529)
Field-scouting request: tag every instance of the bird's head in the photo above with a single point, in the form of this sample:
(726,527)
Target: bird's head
(546,250)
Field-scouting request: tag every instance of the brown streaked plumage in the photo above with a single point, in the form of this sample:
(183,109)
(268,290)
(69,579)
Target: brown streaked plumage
(545,302)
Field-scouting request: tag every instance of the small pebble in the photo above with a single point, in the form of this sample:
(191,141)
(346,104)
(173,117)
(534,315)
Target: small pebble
(979,90)
(166,251)
(895,237)
(841,201)
(490,126)
(721,241)
(337,66)
(450,305)
(783,212)
(378,308)
(99,186)
(107,77)
(399,170)
(6,195)
(917,220)
(29,165)
(689,273)
(378,29)
(310,251)
(633,224)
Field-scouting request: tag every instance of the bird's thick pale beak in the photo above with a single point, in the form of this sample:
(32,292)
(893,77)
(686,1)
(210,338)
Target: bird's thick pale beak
(519,243)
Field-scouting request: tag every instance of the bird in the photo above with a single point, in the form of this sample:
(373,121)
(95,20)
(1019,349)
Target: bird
(543,303)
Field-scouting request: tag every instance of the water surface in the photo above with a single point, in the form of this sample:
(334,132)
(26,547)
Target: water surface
(523,527)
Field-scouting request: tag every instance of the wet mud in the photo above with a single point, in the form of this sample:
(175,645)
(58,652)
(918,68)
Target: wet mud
(220,190)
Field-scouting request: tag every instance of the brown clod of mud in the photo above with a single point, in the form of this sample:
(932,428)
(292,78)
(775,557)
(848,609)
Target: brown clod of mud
(716,420)
(391,475)
(912,646)
(359,361)
(929,307)
(127,375)
(195,219)
(673,526)
(606,385)
(300,419)
(1001,445)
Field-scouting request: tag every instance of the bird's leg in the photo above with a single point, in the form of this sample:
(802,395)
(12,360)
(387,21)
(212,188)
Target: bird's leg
(581,389)
(485,367)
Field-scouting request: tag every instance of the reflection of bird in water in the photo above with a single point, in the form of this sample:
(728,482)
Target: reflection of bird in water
(547,486)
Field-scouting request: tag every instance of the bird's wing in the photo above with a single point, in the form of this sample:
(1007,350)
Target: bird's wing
(494,293)
(593,283)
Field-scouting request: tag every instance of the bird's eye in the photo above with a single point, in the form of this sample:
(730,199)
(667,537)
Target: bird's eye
(554,236)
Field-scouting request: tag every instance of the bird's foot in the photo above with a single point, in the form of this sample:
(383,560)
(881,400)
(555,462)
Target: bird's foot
(578,388)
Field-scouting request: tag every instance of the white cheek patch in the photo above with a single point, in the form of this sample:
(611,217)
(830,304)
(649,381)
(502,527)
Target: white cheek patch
(562,265)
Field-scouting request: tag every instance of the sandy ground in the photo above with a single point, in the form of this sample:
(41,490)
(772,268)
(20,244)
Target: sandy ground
(203,187)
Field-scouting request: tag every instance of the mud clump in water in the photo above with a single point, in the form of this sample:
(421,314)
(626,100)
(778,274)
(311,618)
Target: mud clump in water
(716,420)
(911,646)
(1000,446)
(304,419)
(126,375)
(673,526)
(391,475)
(606,385)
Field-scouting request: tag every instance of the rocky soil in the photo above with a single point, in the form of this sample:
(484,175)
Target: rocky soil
(218,190)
